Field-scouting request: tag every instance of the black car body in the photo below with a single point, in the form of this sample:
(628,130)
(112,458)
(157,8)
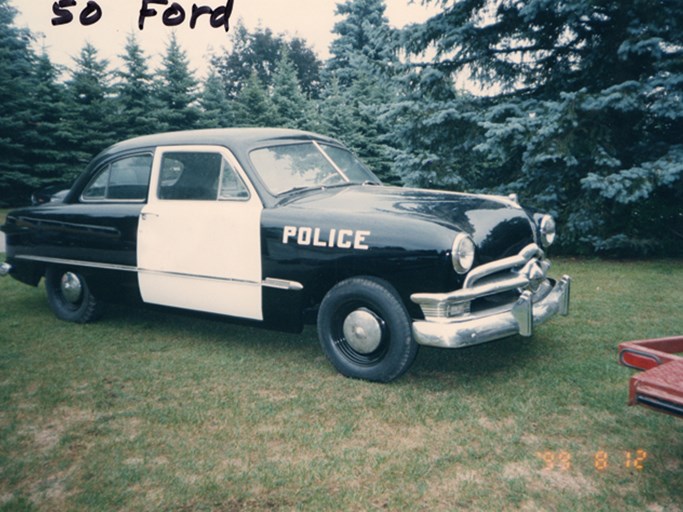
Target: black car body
(280,226)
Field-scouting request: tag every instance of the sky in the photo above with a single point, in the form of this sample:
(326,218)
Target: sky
(311,20)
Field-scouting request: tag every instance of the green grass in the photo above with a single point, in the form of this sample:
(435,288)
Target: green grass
(155,410)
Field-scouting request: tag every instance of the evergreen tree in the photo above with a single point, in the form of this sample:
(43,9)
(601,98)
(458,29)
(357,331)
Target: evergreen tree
(364,39)
(52,160)
(260,51)
(434,134)
(217,109)
(16,61)
(587,123)
(137,105)
(89,125)
(176,89)
(364,63)
(336,119)
(291,108)
(253,106)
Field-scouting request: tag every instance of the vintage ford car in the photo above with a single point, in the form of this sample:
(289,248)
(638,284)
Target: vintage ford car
(283,227)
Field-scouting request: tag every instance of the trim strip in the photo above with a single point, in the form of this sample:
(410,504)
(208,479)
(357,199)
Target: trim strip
(282,284)
(197,276)
(269,282)
(79,263)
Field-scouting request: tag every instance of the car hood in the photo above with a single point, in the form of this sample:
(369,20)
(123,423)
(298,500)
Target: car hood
(498,226)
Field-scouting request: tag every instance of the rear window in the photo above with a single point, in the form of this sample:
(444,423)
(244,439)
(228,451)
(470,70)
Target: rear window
(126,179)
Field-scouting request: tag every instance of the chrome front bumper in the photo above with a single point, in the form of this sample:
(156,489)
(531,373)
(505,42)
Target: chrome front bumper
(449,321)
(474,329)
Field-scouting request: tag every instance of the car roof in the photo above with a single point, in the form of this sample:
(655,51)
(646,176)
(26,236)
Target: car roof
(241,139)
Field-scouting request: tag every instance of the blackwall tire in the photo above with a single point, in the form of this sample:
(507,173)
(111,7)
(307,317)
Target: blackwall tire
(69,296)
(366,331)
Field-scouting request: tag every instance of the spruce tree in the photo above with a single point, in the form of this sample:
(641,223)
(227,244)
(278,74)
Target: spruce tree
(364,39)
(253,106)
(53,161)
(291,108)
(137,105)
(16,61)
(89,125)
(176,89)
(364,64)
(216,108)
(584,114)
(259,51)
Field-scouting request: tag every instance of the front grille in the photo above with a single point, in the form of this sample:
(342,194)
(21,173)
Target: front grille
(490,286)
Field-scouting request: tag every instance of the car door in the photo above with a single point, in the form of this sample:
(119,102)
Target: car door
(199,244)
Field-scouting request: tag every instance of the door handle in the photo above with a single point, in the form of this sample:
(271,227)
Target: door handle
(146,215)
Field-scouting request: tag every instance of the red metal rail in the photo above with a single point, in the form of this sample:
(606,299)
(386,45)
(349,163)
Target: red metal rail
(660,386)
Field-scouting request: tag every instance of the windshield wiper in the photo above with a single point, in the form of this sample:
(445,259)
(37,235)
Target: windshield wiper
(302,188)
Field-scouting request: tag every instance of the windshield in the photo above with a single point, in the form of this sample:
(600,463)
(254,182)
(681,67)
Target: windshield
(308,165)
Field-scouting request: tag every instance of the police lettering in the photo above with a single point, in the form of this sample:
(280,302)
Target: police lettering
(342,238)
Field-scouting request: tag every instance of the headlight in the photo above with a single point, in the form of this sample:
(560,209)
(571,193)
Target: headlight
(547,226)
(462,254)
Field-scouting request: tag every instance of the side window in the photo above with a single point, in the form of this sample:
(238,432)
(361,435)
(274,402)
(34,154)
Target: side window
(198,176)
(126,179)
(232,186)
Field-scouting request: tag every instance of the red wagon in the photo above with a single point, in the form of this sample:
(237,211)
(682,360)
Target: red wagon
(660,386)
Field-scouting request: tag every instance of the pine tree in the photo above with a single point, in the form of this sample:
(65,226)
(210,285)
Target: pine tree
(137,106)
(217,109)
(259,51)
(364,63)
(89,125)
(253,106)
(364,39)
(337,120)
(54,163)
(176,89)
(292,109)
(586,123)
(16,61)
(433,134)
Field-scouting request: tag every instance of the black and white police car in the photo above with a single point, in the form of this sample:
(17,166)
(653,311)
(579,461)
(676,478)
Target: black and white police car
(283,226)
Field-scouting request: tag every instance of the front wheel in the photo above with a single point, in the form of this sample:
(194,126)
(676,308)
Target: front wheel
(69,296)
(365,330)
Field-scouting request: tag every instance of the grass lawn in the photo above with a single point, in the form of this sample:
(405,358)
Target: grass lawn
(155,410)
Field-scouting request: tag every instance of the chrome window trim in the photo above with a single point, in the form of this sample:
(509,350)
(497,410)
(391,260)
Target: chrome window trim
(205,148)
(332,162)
(101,169)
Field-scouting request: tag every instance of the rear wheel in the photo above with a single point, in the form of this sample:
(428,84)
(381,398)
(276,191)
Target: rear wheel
(365,330)
(69,296)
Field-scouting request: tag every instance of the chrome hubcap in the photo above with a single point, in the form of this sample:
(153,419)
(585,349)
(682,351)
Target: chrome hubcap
(363,330)
(72,288)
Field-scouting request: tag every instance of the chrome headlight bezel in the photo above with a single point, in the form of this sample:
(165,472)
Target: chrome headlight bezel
(462,253)
(548,230)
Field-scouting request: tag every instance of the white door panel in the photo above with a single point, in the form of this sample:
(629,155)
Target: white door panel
(203,255)
(208,295)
